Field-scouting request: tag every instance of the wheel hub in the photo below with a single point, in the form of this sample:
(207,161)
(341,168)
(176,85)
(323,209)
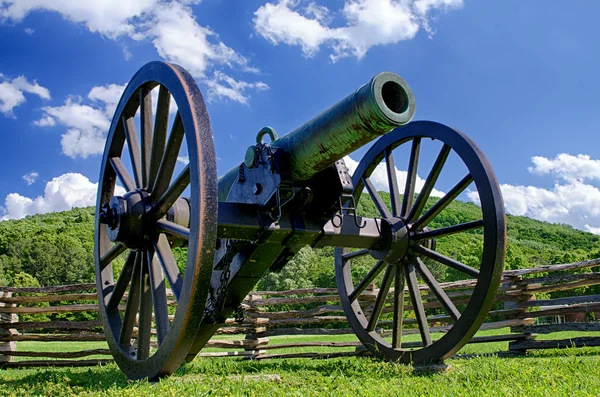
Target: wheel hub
(125,217)
(397,242)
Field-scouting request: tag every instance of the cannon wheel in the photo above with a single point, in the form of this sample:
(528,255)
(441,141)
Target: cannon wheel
(144,247)
(422,247)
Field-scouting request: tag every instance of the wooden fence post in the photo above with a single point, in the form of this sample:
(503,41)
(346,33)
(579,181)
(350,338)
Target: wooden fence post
(525,296)
(7,318)
(258,332)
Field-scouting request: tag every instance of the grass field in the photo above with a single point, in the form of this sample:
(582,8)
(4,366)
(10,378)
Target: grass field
(567,372)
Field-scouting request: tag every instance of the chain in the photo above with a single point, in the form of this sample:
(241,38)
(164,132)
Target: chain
(242,175)
(216,304)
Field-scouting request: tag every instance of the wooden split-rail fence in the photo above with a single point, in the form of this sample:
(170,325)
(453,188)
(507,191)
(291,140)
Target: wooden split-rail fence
(267,315)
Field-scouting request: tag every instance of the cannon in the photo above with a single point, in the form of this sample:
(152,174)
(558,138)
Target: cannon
(177,249)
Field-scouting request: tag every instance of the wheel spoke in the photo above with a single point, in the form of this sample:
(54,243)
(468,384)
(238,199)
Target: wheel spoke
(398,307)
(355,254)
(133,303)
(446,231)
(392,181)
(160,132)
(453,263)
(368,279)
(159,297)
(169,159)
(417,303)
(145,319)
(146,133)
(169,265)
(173,228)
(411,176)
(442,203)
(383,209)
(166,201)
(436,289)
(122,282)
(381,297)
(111,254)
(134,149)
(416,210)
(122,174)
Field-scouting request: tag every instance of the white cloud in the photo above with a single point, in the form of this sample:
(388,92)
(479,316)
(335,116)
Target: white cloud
(380,181)
(570,201)
(169,24)
(223,86)
(108,96)
(567,167)
(87,124)
(12,92)
(29,31)
(366,23)
(110,18)
(185,160)
(31,177)
(60,194)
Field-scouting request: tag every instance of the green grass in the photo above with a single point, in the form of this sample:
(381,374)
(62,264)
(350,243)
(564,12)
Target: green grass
(572,372)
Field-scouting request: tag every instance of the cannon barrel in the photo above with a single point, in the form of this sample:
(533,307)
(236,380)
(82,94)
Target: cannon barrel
(374,109)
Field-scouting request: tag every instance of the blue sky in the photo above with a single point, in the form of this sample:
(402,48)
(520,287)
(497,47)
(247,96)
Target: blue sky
(520,77)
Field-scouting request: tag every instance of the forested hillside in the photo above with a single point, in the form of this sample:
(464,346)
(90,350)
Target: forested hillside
(57,248)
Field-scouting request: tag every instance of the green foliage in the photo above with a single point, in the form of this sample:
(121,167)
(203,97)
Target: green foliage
(57,248)
(54,248)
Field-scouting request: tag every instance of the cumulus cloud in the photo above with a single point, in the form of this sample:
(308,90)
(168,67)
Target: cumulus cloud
(169,24)
(60,194)
(87,123)
(567,167)
(31,177)
(110,18)
(12,92)
(223,86)
(380,181)
(363,23)
(185,160)
(571,200)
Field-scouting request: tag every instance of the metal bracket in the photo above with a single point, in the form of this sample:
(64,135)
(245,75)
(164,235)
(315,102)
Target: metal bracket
(350,209)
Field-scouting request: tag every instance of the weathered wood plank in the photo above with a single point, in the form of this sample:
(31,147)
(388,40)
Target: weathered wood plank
(49,298)
(54,309)
(244,343)
(583,341)
(561,301)
(578,308)
(550,328)
(56,363)
(553,268)
(313,355)
(53,337)
(66,325)
(74,354)
(52,289)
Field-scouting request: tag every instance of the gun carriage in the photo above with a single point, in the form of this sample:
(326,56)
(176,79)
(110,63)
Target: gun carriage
(291,192)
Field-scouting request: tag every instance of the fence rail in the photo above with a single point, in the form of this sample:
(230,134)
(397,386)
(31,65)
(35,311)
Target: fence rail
(266,315)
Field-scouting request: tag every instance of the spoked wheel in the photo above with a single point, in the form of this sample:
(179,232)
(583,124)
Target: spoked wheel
(140,283)
(420,243)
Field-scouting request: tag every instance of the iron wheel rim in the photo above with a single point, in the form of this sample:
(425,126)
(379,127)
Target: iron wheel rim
(194,287)
(492,259)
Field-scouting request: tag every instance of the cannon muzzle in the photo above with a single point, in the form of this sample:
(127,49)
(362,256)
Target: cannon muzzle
(374,109)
